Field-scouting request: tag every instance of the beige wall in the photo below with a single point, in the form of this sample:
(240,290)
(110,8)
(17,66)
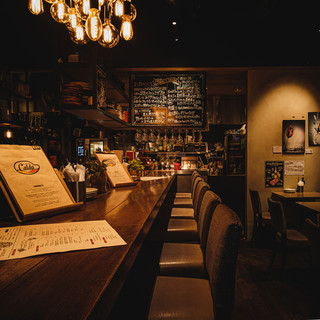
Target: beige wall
(273,96)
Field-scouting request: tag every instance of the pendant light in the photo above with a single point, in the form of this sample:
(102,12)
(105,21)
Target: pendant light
(36,7)
(94,25)
(84,23)
(83,8)
(110,34)
(59,11)
(78,35)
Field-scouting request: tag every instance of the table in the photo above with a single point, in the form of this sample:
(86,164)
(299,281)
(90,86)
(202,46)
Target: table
(83,284)
(311,210)
(296,196)
(289,200)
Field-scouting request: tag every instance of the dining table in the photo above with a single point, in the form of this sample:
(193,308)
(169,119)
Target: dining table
(311,209)
(295,216)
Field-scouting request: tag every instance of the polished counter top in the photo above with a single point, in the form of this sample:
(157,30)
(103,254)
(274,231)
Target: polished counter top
(82,284)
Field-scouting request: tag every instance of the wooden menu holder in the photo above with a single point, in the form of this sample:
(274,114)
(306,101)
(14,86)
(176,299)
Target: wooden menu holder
(117,173)
(10,190)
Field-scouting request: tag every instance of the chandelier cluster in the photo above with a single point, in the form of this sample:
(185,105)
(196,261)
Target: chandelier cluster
(84,20)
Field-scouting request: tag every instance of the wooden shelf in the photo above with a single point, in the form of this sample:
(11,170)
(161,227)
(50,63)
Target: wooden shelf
(99,117)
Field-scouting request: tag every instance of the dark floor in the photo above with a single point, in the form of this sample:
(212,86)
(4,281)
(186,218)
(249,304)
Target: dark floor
(267,294)
(260,294)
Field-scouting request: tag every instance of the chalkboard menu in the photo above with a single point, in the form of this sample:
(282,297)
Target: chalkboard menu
(168,99)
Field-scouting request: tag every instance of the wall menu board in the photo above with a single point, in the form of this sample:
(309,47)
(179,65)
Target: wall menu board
(168,99)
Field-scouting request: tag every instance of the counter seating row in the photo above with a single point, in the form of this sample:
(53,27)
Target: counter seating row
(198,260)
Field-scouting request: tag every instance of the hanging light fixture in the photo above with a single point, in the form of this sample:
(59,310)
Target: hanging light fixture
(110,34)
(36,7)
(83,18)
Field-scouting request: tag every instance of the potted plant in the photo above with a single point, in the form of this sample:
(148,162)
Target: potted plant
(96,171)
(135,168)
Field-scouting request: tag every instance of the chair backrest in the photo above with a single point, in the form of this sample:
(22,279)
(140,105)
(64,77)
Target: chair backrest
(201,189)
(194,187)
(256,206)
(195,174)
(313,234)
(206,208)
(278,219)
(221,259)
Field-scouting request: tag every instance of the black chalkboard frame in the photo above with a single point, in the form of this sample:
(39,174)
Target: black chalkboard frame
(168,75)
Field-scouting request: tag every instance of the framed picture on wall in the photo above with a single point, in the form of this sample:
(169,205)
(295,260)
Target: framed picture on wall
(273,174)
(314,128)
(293,136)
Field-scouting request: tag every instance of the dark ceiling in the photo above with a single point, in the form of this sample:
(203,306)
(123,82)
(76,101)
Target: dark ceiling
(211,34)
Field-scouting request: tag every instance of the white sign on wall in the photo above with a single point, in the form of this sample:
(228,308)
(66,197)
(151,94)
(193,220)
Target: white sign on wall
(294,168)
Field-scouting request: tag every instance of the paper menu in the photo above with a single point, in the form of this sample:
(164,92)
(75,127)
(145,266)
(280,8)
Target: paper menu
(31,240)
(31,179)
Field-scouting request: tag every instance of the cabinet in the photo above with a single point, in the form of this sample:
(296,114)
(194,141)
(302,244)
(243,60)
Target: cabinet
(91,93)
(235,154)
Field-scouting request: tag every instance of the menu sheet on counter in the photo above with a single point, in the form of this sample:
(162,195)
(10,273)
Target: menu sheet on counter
(168,99)
(25,241)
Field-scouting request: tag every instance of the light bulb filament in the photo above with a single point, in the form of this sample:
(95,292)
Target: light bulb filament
(36,6)
(94,27)
(73,20)
(79,33)
(118,8)
(86,7)
(107,34)
(60,11)
(126,30)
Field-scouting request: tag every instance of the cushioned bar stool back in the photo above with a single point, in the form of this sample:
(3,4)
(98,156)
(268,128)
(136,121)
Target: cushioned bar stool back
(188,195)
(185,230)
(187,259)
(187,202)
(221,258)
(194,298)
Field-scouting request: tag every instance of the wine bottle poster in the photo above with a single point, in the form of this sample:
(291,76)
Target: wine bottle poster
(273,174)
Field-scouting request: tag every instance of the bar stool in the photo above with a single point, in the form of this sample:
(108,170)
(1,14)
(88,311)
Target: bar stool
(187,259)
(181,212)
(187,195)
(185,230)
(187,202)
(212,298)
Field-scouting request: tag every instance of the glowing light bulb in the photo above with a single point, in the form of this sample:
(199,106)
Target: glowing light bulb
(73,19)
(118,8)
(126,31)
(101,2)
(94,25)
(50,1)
(110,35)
(78,35)
(8,134)
(36,7)
(133,12)
(59,11)
(129,9)
(83,8)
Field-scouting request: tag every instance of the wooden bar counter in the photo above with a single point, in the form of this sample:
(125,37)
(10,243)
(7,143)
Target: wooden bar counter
(83,284)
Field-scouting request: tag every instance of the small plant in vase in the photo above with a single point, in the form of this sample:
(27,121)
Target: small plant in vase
(96,171)
(135,168)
